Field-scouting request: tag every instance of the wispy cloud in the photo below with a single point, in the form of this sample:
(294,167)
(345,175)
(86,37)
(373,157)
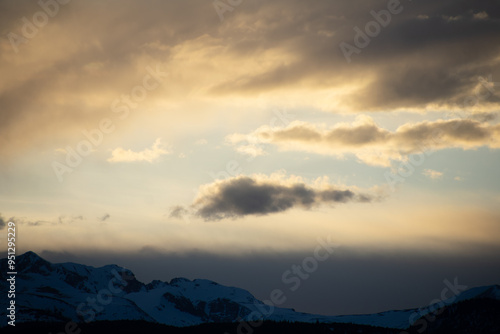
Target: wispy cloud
(104,217)
(30,222)
(149,154)
(481,16)
(178,212)
(69,219)
(432,174)
(251,150)
(201,142)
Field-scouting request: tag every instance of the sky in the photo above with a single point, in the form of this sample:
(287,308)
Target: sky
(227,140)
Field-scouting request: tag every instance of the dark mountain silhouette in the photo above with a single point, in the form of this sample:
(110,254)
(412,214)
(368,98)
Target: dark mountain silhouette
(110,297)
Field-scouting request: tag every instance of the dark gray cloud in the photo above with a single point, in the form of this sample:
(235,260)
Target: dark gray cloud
(104,217)
(242,196)
(63,219)
(484,117)
(19,221)
(2,223)
(178,211)
(427,54)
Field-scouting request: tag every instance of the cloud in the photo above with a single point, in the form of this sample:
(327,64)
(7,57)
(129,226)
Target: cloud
(149,154)
(372,144)
(19,221)
(409,65)
(260,49)
(178,212)
(481,16)
(432,174)
(2,223)
(201,142)
(69,219)
(36,223)
(259,195)
(484,117)
(104,217)
(251,150)
(60,220)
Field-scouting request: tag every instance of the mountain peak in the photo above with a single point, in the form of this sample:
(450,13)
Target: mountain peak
(30,257)
(492,292)
(177,280)
(30,253)
(33,262)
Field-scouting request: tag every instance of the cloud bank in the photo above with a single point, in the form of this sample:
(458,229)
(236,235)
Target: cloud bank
(372,144)
(430,56)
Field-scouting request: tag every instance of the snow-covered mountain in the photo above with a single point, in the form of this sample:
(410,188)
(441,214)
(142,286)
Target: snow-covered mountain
(69,291)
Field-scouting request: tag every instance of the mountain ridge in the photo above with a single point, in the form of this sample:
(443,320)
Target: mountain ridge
(70,291)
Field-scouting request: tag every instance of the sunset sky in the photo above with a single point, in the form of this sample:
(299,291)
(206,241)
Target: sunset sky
(221,139)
